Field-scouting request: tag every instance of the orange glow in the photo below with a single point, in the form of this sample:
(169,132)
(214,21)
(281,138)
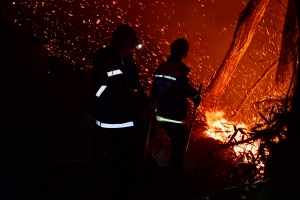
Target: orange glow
(221,129)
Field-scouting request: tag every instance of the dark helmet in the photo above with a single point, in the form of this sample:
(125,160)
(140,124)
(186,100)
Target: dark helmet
(180,47)
(124,34)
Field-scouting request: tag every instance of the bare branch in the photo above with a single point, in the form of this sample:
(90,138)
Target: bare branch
(280,2)
(262,60)
(252,89)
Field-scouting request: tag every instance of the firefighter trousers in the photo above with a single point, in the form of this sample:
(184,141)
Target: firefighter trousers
(179,136)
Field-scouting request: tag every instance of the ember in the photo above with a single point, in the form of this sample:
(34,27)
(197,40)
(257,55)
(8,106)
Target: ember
(73,30)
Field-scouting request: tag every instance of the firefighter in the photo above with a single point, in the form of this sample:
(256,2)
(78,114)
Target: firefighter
(170,91)
(118,100)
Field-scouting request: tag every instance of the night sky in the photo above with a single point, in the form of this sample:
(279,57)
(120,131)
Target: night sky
(75,29)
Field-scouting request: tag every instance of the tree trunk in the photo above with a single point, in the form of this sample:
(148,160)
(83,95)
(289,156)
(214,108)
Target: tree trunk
(285,182)
(246,26)
(289,47)
(252,89)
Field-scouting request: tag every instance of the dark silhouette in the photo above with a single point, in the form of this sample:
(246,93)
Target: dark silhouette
(25,149)
(171,88)
(41,117)
(118,105)
(24,98)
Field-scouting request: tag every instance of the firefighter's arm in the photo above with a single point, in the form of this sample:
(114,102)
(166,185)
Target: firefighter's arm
(153,97)
(189,91)
(99,75)
(155,93)
(136,85)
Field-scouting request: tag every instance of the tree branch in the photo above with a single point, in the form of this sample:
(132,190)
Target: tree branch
(252,89)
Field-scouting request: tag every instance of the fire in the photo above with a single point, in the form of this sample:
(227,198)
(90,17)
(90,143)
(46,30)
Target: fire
(221,129)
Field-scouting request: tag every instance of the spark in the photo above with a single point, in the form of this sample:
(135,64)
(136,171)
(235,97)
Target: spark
(75,29)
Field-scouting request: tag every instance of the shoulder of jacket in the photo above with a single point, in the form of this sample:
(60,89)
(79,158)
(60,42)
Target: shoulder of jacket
(179,67)
(162,66)
(103,52)
(184,68)
(103,58)
(129,57)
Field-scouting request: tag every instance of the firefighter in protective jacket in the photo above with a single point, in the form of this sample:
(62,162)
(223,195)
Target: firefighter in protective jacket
(170,91)
(118,96)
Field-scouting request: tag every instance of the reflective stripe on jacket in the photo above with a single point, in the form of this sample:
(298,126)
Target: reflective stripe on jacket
(118,94)
(122,125)
(171,88)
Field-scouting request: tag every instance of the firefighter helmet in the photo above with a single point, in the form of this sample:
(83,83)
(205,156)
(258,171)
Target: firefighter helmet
(124,34)
(180,47)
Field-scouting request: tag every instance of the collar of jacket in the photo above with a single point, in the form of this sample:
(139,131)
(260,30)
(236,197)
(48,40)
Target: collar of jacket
(112,50)
(179,62)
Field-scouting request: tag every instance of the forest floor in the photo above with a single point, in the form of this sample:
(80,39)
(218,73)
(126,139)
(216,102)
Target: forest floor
(81,179)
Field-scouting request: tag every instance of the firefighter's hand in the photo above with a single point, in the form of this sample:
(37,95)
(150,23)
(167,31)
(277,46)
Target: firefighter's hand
(197,100)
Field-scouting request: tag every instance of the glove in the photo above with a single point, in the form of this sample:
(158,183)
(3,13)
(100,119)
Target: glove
(197,100)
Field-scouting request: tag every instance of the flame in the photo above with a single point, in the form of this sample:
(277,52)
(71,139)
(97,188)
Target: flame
(221,129)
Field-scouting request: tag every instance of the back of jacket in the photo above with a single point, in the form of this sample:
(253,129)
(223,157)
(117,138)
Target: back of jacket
(171,88)
(118,94)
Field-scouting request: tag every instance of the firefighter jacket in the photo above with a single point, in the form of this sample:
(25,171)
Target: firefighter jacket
(118,94)
(171,88)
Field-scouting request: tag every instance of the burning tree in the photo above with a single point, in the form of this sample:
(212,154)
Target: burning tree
(286,64)
(247,23)
(277,125)
(289,47)
(259,150)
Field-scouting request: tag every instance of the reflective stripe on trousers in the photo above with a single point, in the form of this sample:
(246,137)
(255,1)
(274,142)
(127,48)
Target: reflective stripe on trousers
(163,119)
(122,125)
